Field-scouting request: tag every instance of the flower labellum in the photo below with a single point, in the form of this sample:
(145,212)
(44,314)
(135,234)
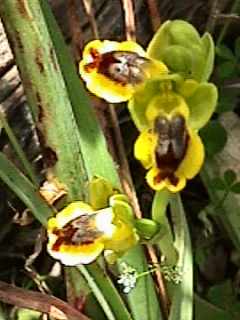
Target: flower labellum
(113,70)
(79,234)
(171,150)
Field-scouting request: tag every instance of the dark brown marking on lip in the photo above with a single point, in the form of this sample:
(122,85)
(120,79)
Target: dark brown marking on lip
(96,59)
(171,146)
(77,232)
(122,67)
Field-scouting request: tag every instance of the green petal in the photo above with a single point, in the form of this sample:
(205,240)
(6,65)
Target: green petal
(209,49)
(138,104)
(122,211)
(202,104)
(100,191)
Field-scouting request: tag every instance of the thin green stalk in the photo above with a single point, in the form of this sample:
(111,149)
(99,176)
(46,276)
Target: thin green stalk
(18,150)
(105,292)
(159,214)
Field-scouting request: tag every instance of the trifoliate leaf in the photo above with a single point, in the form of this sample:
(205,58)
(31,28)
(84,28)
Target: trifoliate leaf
(214,137)
(229,177)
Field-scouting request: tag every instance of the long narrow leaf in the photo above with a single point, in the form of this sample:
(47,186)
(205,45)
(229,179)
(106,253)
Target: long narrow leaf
(142,299)
(107,296)
(18,150)
(24,189)
(182,296)
(67,125)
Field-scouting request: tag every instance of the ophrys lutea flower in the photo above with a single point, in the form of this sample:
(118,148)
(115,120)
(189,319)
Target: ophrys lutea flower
(113,70)
(80,232)
(169,149)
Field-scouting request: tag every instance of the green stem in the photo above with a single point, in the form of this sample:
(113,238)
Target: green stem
(182,297)
(105,292)
(221,201)
(165,243)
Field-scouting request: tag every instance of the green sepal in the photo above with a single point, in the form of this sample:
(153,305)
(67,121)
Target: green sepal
(202,104)
(99,192)
(178,59)
(178,44)
(183,33)
(176,32)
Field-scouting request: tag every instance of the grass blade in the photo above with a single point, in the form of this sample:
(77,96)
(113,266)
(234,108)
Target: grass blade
(24,189)
(18,150)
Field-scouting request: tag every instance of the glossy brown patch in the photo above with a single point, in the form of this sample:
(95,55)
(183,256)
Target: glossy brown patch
(171,146)
(122,67)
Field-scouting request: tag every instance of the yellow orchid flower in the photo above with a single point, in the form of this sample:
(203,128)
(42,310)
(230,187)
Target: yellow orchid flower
(113,70)
(170,149)
(79,233)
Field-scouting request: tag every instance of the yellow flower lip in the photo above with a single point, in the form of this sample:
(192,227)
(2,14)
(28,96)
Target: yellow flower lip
(112,70)
(171,150)
(77,233)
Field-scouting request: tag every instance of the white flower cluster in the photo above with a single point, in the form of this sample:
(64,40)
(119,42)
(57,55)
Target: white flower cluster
(128,277)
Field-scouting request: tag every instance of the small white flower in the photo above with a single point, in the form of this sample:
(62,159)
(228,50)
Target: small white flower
(128,277)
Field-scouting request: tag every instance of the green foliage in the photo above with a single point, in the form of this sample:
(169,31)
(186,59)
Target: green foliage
(214,137)
(227,100)
(228,61)
(228,182)
(223,296)
(206,310)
